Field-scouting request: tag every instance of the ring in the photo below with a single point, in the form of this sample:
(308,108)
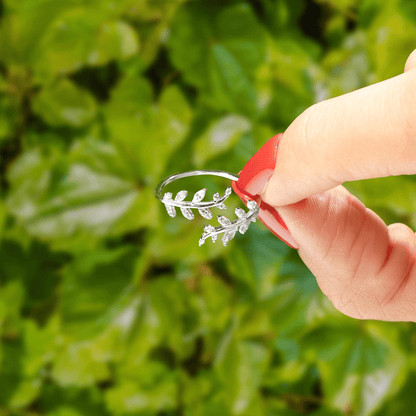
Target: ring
(229,228)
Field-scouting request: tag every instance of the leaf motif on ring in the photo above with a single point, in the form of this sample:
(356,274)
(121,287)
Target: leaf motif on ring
(187,213)
(199,196)
(224,221)
(206,213)
(181,195)
(228,236)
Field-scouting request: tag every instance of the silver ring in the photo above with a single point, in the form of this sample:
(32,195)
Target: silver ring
(229,228)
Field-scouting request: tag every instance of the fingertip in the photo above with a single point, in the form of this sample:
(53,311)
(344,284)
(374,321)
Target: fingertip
(303,167)
(410,62)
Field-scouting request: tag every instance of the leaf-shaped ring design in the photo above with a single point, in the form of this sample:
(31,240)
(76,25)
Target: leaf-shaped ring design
(229,228)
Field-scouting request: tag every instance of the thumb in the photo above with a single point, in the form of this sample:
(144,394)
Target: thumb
(364,134)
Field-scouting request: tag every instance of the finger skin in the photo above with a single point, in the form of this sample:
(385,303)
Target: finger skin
(364,134)
(365,268)
(411,62)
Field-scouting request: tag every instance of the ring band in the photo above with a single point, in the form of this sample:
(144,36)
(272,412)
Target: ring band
(176,176)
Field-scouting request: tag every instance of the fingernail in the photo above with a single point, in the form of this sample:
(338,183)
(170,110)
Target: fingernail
(252,179)
(258,170)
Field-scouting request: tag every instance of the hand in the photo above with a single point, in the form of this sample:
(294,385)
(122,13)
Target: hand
(366,268)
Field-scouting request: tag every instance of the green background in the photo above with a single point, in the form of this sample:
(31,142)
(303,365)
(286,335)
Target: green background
(107,305)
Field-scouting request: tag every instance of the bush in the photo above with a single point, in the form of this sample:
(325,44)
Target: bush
(107,305)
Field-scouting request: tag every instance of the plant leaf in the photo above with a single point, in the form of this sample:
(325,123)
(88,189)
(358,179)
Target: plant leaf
(221,136)
(90,293)
(63,103)
(368,363)
(80,200)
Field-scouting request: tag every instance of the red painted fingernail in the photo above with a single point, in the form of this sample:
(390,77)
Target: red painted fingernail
(251,181)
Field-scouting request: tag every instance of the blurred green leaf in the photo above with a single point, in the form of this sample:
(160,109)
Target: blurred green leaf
(166,320)
(40,345)
(33,272)
(27,20)
(129,398)
(403,402)
(342,5)
(59,50)
(220,136)
(393,192)
(9,115)
(12,296)
(63,103)
(361,364)
(131,95)
(11,379)
(116,40)
(240,365)
(95,288)
(231,89)
(264,269)
(219,51)
(407,9)
(83,198)
(65,411)
(3,218)
(390,41)
(296,303)
(107,305)
(368,10)
(146,134)
(81,401)
(199,391)
(72,198)
(26,392)
(164,247)
(348,66)
(75,366)
(215,301)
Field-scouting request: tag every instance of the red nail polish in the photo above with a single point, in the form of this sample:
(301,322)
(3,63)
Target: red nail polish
(251,181)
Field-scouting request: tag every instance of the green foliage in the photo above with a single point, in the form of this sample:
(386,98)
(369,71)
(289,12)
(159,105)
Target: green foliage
(109,307)
(63,103)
